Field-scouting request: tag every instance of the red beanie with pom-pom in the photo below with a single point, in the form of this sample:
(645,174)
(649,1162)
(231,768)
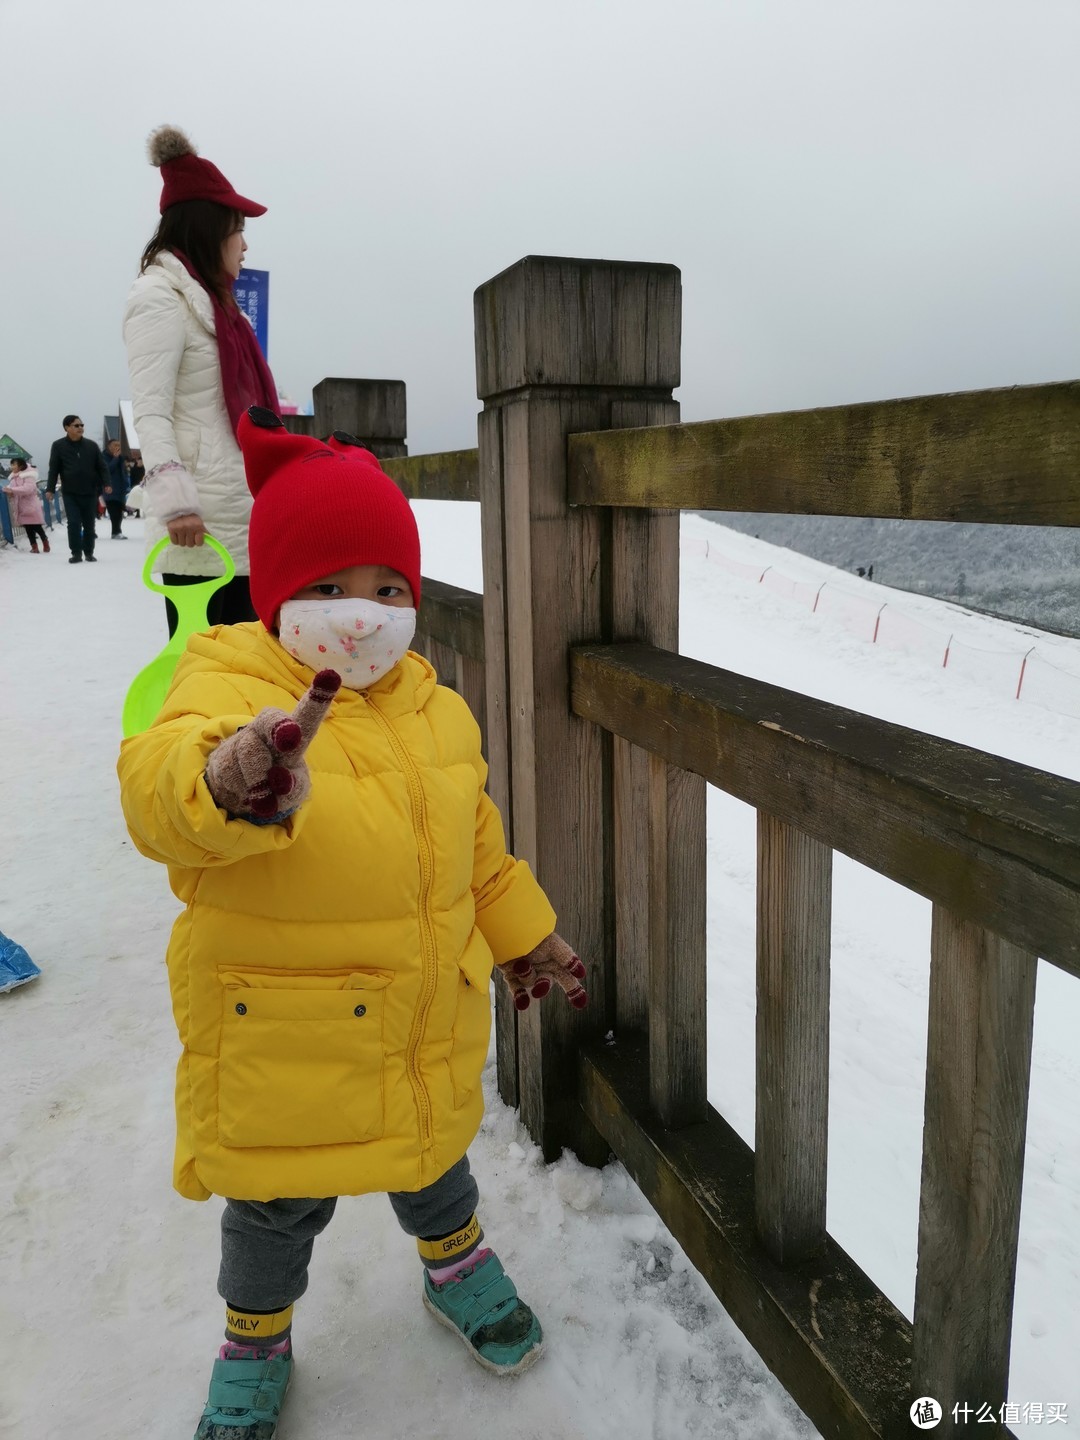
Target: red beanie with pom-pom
(185,175)
(319,508)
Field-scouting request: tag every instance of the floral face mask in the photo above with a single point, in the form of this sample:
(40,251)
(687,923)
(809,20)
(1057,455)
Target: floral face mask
(360,639)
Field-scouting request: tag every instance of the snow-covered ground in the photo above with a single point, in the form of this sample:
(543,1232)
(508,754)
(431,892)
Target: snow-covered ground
(108,1310)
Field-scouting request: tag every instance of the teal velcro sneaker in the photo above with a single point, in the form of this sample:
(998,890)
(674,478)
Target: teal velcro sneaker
(482,1307)
(245,1399)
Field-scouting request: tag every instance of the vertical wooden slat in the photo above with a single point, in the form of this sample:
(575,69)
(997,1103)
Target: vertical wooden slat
(470,686)
(631,859)
(558,343)
(496,701)
(444,658)
(794,926)
(978,1063)
(496,659)
(553,568)
(643,605)
(677,878)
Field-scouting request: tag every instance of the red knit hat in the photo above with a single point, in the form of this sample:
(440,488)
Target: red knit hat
(319,507)
(186,176)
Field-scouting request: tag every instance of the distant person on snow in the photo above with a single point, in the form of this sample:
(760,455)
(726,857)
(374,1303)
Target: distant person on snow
(347,892)
(77,466)
(136,476)
(195,367)
(23,485)
(115,492)
(7,524)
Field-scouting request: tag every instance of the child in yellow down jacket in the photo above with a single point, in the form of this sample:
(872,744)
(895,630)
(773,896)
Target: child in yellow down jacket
(347,891)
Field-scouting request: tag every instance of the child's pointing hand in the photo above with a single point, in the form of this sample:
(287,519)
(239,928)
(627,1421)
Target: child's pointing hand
(532,975)
(259,773)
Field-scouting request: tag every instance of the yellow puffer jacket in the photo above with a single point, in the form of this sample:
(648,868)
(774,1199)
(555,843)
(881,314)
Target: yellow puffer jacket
(329,974)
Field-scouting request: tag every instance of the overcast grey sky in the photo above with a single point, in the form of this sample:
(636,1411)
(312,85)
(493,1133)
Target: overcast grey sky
(866,198)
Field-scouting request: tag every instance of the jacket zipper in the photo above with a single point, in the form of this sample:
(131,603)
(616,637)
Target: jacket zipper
(427,938)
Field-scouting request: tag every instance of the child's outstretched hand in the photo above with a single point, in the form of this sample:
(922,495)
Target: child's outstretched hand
(552,960)
(259,773)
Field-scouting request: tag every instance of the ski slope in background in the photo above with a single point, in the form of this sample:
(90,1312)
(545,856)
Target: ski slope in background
(109,1307)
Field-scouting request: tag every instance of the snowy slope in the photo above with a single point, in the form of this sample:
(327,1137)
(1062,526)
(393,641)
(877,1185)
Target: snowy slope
(1027,570)
(109,1308)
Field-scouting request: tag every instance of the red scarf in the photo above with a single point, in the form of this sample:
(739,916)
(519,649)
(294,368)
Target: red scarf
(245,375)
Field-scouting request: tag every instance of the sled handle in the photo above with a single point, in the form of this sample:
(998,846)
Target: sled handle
(215,583)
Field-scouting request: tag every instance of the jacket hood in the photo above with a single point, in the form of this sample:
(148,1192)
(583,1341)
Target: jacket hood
(166,267)
(251,650)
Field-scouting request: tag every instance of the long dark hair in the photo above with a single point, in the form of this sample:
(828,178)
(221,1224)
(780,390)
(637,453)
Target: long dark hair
(197,228)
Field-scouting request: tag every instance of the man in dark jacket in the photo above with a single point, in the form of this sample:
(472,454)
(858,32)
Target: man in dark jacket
(79,467)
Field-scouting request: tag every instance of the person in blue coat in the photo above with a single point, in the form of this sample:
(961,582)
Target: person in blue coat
(114,493)
(7,531)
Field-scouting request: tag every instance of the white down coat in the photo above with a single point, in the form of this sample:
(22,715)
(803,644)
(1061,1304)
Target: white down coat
(180,415)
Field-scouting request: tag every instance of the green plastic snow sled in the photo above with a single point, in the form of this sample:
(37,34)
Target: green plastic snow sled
(147,691)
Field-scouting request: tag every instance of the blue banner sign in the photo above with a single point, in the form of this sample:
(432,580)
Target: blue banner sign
(253,296)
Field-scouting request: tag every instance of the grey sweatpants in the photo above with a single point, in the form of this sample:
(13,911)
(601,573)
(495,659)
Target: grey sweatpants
(266,1244)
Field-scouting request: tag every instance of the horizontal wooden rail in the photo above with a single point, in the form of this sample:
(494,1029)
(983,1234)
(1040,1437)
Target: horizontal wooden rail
(452,617)
(1001,456)
(823,1328)
(454,475)
(996,842)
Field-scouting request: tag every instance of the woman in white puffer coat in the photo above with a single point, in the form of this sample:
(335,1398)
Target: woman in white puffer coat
(195,367)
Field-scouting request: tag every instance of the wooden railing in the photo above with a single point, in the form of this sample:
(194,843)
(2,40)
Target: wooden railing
(451,621)
(601,740)
(1011,457)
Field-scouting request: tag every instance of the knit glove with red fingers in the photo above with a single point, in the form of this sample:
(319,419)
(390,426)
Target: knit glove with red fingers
(259,773)
(532,975)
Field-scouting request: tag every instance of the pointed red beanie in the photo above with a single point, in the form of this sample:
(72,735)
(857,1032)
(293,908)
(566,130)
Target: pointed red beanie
(185,175)
(319,507)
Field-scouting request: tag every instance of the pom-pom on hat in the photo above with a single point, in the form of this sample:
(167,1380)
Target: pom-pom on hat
(186,176)
(319,508)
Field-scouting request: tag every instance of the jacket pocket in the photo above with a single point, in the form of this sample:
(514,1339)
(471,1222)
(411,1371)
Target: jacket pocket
(301,1059)
(472,1023)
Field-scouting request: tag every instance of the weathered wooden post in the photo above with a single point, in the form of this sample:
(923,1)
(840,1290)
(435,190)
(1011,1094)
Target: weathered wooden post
(794,934)
(978,1067)
(563,346)
(372,410)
